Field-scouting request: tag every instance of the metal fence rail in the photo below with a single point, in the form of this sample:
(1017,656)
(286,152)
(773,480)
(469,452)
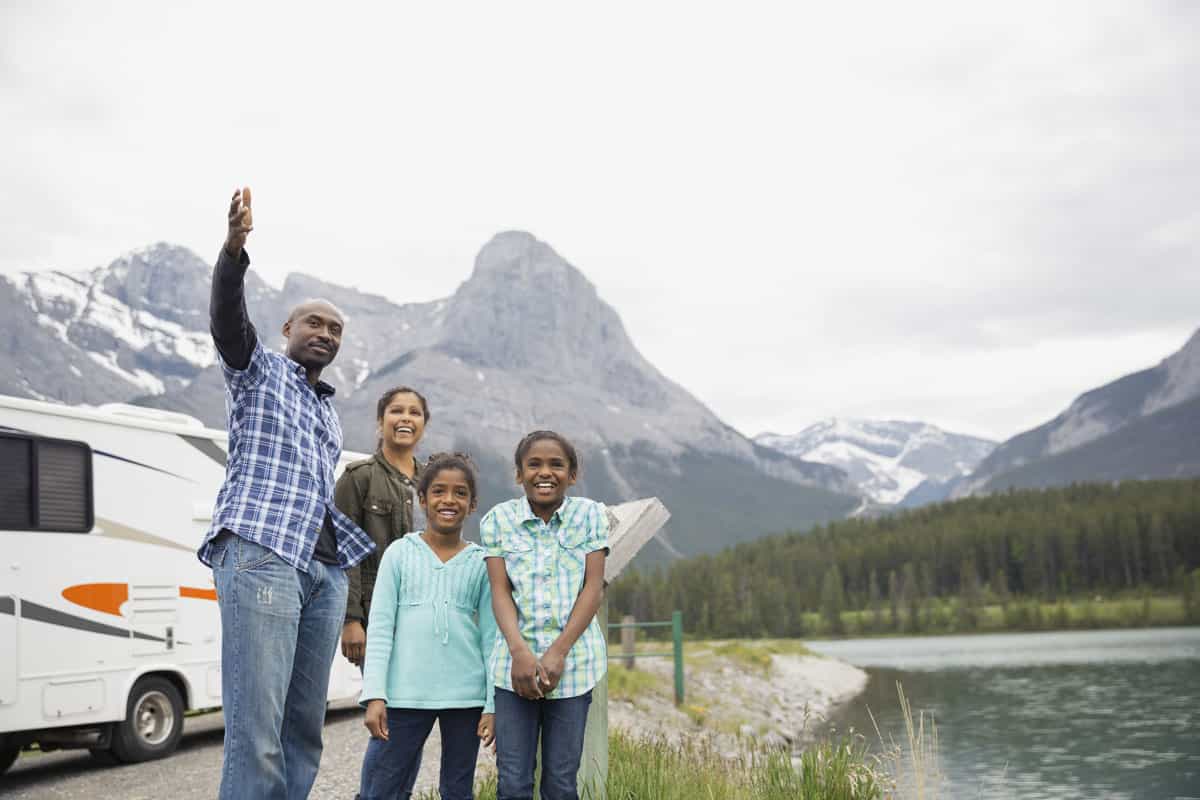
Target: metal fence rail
(676,626)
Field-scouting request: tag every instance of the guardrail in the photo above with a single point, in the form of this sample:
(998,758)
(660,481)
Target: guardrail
(629,653)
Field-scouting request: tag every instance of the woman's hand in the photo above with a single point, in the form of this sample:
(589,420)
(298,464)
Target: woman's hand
(376,720)
(525,674)
(354,642)
(487,729)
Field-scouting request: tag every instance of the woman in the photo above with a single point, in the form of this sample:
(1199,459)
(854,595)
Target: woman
(379,494)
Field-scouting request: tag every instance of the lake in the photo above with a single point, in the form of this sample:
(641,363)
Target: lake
(1088,714)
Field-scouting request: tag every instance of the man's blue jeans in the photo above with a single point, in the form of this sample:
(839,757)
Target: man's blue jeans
(279,635)
(561,724)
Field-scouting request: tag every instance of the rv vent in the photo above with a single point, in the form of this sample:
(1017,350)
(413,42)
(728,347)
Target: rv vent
(150,414)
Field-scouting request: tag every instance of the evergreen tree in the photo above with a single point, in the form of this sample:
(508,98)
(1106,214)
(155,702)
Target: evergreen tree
(833,600)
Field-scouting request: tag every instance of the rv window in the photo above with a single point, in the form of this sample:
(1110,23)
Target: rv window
(16,484)
(45,484)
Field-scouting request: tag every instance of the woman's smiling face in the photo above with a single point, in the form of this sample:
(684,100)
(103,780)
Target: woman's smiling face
(403,421)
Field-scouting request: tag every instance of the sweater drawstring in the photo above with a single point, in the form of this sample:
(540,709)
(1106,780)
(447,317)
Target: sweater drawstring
(445,631)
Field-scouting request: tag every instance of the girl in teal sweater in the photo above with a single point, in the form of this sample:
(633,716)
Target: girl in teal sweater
(429,637)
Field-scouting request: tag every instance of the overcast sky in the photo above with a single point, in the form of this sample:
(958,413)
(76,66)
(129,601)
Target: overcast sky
(964,213)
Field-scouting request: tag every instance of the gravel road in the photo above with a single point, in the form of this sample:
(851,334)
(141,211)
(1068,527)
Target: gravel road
(195,770)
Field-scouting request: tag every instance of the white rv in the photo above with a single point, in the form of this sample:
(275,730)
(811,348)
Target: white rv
(109,627)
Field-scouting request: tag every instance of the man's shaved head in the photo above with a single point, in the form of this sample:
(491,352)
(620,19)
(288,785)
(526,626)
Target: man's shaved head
(316,304)
(314,334)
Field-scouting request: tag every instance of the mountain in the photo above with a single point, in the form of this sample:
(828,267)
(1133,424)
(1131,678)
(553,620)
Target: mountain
(892,463)
(525,342)
(1144,425)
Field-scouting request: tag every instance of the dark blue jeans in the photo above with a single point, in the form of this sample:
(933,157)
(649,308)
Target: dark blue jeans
(390,767)
(279,635)
(561,724)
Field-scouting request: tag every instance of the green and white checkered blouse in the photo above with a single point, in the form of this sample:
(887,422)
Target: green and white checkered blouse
(545,563)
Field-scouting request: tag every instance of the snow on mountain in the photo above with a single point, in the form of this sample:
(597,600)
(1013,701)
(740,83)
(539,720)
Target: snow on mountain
(136,330)
(889,461)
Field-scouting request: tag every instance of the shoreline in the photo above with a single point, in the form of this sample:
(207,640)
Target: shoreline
(739,695)
(762,692)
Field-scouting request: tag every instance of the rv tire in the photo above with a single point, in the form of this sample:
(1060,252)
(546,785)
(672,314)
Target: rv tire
(8,755)
(153,721)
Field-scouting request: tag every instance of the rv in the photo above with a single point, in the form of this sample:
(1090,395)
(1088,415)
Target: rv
(109,626)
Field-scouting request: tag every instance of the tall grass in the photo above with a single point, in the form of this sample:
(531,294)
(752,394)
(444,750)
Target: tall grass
(914,764)
(653,768)
(841,768)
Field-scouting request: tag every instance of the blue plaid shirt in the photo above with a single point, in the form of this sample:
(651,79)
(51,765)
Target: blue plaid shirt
(284,444)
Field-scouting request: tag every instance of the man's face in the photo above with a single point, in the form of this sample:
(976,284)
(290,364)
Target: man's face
(314,334)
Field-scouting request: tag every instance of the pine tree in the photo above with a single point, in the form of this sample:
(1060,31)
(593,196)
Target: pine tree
(833,600)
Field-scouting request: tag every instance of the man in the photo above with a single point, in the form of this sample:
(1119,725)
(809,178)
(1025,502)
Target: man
(278,546)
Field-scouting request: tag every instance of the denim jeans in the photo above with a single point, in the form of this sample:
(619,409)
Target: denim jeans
(561,724)
(390,767)
(279,635)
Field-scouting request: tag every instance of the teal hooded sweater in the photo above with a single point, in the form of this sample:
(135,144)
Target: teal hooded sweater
(431,629)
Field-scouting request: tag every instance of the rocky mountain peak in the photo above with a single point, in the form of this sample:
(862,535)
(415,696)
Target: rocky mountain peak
(162,279)
(525,306)
(1181,381)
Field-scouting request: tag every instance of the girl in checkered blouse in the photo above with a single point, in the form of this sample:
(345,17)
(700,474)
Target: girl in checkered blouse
(545,559)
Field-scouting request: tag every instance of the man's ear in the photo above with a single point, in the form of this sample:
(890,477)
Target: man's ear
(287,329)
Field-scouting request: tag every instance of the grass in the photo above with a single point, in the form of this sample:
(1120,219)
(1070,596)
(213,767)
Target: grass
(757,653)
(654,769)
(630,684)
(949,616)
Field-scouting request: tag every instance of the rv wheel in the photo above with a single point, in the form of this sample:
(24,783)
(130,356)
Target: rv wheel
(8,754)
(153,722)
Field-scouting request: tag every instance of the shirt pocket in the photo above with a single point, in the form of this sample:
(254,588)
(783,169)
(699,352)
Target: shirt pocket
(572,548)
(519,555)
(377,518)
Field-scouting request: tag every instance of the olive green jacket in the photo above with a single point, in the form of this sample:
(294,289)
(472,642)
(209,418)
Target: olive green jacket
(380,499)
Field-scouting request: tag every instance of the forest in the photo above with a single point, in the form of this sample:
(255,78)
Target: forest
(1028,559)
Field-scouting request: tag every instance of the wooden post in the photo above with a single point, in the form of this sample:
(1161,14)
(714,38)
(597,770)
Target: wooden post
(630,526)
(628,640)
(593,768)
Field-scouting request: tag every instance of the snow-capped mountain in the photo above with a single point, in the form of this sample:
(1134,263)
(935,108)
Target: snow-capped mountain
(891,462)
(137,330)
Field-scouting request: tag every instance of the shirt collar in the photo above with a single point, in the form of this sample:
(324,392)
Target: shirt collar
(529,515)
(322,388)
(387,465)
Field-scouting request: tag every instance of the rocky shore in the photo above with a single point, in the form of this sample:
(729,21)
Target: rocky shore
(773,693)
(737,693)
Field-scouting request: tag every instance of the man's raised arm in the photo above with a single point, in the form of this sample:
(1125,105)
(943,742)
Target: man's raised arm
(232,332)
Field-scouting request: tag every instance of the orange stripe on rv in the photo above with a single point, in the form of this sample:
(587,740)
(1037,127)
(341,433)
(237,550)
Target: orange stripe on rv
(198,594)
(104,597)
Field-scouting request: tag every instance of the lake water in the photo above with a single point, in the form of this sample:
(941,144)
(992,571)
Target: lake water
(1040,716)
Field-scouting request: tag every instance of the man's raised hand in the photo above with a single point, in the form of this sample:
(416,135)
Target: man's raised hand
(241,222)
